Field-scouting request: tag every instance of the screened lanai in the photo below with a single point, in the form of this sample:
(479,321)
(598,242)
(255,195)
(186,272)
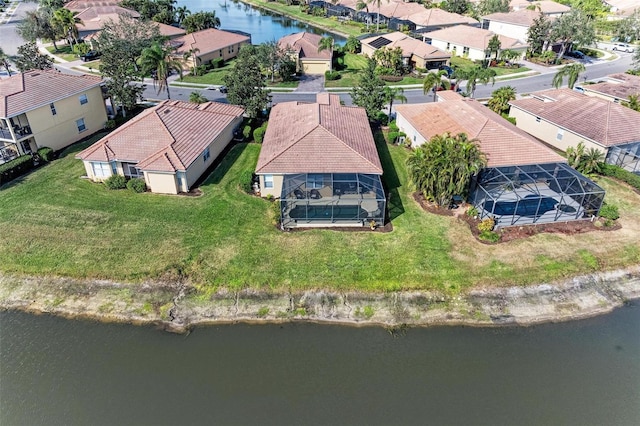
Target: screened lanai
(626,156)
(341,199)
(534,194)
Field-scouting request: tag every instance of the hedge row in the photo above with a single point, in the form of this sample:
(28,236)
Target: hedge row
(15,168)
(621,174)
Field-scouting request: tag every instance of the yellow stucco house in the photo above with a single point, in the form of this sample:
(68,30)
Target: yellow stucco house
(304,49)
(48,108)
(206,45)
(170,145)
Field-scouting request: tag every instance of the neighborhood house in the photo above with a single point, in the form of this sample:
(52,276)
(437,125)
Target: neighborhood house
(563,118)
(525,182)
(170,145)
(48,109)
(471,42)
(320,160)
(304,49)
(415,53)
(615,87)
(203,46)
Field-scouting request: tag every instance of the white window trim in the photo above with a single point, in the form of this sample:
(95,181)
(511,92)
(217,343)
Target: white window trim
(102,171)
(83,97)
(84,125)
(268,181)
(560,134)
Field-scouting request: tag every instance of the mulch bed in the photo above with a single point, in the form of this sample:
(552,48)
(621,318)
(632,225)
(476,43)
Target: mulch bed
(518,232)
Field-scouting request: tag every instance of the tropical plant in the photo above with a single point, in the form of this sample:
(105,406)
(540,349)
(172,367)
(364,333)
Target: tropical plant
(200,21)
(352,45)
(538,34)
(326,43)
(378,3)
(246,83)
(572,28)
(432,81)
(634,102)
(68,21)
(500,98)
(585,161)
(487,7)
(30,58)
(571,71)
(361,4)
(394,94)
(37,24)
(4,61)
(509,55)
(444,166)
(181,13)
(369,92)
(197,98)
(475,75)
(158,61)
(494,46)
(456,6)
(547,56)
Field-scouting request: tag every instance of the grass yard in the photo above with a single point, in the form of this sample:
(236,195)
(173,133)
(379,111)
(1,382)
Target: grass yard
(350,76)
(64,52)
(215,76)
(465,64)
(55,223)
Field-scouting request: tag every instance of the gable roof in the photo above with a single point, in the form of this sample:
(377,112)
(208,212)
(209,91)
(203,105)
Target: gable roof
(306,45)
(522,18)
(80,5)
(94,17)
(547,7)
(476,38)
(165,30)
(619,86)
(435,17)
(166,138)
(597,119)
(321,137)
(502,142)
(208,41)
(30,90)
(409,45)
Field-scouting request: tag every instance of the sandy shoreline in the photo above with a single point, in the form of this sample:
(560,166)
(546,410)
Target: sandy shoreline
(176,307)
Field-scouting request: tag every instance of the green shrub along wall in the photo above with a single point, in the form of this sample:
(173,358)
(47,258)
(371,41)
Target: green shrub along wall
(15,168)
(621,174)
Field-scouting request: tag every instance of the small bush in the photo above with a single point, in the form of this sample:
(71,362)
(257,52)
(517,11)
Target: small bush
(621,174)
(137,185)
(393,136)
(393,127)
(81,48)
(46,154)
(490,236)
(217,63)
(391,78)
(116,182)
(15,168)
(258,134)
(110,125)
(381,117)
(263,312)
(472,212)
(609,211)
(332,75)
(246,131)
(246,181)
(486,225)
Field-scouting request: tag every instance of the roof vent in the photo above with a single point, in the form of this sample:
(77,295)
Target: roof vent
(166,111)
(34,74)
(543,98)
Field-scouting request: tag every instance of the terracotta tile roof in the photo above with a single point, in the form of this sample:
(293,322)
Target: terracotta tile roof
(546,6)
(94,17)
(24,92)
(602,121)
(410,46)
(167,138)
(523,18)
(502,142)
(390,9)
(477,38)
(620,86)
(305,44)
(165,30)
(322,137)
(80,5)
(435,17)
(208,41)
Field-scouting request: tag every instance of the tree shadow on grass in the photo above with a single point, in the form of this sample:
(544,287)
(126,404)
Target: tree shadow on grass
(390,178)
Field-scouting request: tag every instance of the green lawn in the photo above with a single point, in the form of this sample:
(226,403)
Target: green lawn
(55,223)
(350,76)
(64,51)
(465,64)
(215,76)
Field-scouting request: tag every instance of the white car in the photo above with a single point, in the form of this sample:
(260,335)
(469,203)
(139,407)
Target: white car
(623,47)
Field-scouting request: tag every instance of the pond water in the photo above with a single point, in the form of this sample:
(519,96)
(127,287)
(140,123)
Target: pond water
(57,371)
(261,24)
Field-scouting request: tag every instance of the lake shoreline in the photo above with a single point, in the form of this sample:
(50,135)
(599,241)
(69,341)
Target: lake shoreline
(177,307)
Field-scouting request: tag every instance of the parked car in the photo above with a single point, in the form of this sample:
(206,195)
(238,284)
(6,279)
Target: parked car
(447,69)
(90,56)
(577,54)
(623,47)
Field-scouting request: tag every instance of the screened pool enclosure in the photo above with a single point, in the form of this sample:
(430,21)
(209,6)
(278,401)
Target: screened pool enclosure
(334,199)
(534,194)
(626,156)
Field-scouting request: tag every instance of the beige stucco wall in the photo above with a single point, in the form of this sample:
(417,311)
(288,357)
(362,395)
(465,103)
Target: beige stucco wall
(224,53)
(412,134)
(519,32)
(277,186)
(474,54)
(161,183)
(60,130)
(548,132)
(315,66)
(367,50)
(586,91)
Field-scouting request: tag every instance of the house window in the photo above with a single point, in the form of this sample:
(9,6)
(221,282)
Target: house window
(83,99)
(101,169)
(537,119)
(560,134)
(131,170)
(315,181)
(81,126)
(53,109)
(268,181)
(206,154)
(465,50)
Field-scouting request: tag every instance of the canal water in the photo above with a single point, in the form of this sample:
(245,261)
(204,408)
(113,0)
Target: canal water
(261,24)
(56,371)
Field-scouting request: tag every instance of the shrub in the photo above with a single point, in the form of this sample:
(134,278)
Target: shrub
(621,174)
(81,48)
(486,225)
(246,131)
(472,212)
(393,127)
(332,75)
(46,154)
(490,236)
(15,168)
(263,312)
(391,78)
(393,136)
(258,134)
(137,185)
(381,117)
(116,182)
(217,63)
(110,125)
(609,211)
(246,181)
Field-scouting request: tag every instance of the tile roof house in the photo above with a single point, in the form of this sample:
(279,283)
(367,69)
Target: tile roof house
(415,53)
(471,42)
(94,17)
(80,5)
(563,118)
(48,108)
(435,19)
(170,145)
(210,44)
(321,161)
(547,7)
(512,154)
(303,47)
(511,24)
(615,87)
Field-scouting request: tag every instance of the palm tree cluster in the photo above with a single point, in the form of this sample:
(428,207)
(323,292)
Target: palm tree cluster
(443,167)
(572,71)
(586,161)
(159,61)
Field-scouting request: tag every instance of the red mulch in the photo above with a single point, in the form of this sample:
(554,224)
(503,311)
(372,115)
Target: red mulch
(518,232)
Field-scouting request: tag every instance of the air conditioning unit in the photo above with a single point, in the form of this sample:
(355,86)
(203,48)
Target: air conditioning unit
(401,139)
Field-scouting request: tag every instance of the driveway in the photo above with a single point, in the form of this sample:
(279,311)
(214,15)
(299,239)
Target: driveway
(311,83)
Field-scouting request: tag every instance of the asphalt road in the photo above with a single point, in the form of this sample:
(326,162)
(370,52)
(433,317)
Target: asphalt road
(9,39)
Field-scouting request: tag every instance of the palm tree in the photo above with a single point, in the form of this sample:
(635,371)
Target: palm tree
(591,161)
(431,82)
(634,102)
(500,98)
(494,46)
(476,75)
(377,3)
(193,54)
(443,167)
(394,94)
(68,22)
(361,4)
(570,70)
(197,98)
(326,43)
(4,61)
(158,58)
(181,13)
